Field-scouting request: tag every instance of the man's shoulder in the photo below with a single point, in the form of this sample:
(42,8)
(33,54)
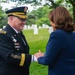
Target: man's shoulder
(2,31)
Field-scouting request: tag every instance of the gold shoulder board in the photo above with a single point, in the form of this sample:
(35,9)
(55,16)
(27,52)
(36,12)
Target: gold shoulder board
(2,31)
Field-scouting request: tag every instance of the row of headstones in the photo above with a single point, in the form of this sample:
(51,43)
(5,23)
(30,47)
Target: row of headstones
(35,28)
(50,30)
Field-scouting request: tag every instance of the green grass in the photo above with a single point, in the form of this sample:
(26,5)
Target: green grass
(37,42)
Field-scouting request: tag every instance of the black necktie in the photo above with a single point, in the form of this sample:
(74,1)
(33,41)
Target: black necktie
(22,38)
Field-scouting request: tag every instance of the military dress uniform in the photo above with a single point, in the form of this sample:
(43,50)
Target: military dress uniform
(14,50)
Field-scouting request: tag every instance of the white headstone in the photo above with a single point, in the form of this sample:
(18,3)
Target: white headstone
(47,26)
(35,29)
(40,27)
(50,29)
(28,27)
(43,26)
(25,26)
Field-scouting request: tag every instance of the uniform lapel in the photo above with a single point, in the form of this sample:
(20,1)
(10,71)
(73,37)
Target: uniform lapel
(13,34)
(23,37)
(18,37)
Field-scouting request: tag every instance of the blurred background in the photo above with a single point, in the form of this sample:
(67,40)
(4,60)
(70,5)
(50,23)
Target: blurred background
(37,28)
(37,9)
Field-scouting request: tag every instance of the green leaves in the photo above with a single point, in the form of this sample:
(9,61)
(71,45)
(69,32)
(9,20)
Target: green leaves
(39,16)
(2,18)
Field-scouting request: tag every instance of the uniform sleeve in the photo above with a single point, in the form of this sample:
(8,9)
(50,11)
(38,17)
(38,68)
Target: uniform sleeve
(9,55)
(53,49)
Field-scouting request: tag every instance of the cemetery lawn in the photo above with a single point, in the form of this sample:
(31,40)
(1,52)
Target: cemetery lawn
(37,42)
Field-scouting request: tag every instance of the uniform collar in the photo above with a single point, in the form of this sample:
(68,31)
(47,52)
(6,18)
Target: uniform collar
(15,30)
(11,30)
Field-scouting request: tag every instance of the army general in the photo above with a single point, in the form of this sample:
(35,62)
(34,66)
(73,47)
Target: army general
(14,50)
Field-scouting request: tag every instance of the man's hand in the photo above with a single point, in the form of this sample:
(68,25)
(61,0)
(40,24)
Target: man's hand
(38,54)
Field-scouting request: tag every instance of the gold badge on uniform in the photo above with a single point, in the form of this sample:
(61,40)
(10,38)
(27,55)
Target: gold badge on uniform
(2,31)
(25,9)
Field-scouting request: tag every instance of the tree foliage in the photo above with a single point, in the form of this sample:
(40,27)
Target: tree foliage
(53,3)
(2,18)
(72,2)
(40,15)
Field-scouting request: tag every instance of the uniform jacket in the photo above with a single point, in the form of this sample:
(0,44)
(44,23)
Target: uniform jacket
(14,53)
(60,53)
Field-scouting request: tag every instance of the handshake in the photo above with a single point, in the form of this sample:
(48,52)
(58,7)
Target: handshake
(37,55)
